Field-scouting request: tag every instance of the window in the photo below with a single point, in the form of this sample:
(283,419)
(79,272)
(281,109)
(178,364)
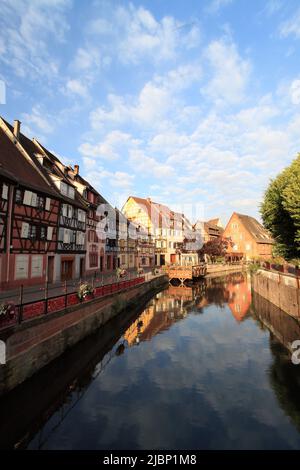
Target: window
(32,232)
(71,192)
(25,230)
(43,232)
(30,198)
(234,226)
(40,202)
(81,215)
(19,196)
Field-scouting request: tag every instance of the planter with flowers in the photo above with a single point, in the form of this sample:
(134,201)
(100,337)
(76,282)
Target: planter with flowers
(7,311)
(121,273)
(85,292)
(140,271)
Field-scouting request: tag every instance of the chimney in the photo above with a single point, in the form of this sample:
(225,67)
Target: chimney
(76,170)
(17,126)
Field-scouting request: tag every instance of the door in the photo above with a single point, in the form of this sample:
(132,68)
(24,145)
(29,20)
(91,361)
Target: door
(50,269)
(81,267)
(66,270)
(101,263)
(173,258)
(162,260)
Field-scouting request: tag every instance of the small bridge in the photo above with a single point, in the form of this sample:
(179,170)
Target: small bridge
(186,273)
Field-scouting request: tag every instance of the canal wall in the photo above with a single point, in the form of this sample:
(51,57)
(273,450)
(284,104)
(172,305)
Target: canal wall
(283,327)
(215,270)
(280,289)
(35,343)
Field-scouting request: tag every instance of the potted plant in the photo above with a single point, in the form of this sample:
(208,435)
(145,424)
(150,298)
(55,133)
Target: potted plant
(85,292)
(140,271)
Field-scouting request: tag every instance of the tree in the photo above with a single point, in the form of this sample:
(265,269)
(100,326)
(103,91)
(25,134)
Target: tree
(214,248)
(280,210)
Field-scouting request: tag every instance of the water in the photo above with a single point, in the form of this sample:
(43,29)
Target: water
(198,368)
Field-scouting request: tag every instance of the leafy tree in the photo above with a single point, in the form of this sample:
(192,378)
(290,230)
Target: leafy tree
(214,248)
(280,210)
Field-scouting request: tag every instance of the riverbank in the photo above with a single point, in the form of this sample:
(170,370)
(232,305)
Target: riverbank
(35,343)
(280,289)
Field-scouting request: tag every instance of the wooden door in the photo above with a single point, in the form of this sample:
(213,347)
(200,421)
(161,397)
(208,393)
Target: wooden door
(50,268)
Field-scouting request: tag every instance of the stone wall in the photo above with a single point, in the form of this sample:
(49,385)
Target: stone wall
(33,344)
(280,289)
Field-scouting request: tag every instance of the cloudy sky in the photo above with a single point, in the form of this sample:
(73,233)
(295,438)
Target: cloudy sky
(189,102)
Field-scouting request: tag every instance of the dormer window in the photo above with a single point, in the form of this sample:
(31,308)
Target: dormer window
(67,190)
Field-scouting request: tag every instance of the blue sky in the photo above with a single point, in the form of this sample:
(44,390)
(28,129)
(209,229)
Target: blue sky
(193,103)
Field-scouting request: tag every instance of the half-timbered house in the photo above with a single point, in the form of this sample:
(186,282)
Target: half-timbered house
(71,250)
(95,239)
(30,207)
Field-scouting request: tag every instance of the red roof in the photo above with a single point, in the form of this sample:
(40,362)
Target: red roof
(24,172)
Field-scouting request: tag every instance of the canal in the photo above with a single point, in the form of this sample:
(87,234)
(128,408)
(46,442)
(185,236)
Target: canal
(202,367)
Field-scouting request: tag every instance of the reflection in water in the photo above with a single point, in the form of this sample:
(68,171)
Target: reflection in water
(199,367)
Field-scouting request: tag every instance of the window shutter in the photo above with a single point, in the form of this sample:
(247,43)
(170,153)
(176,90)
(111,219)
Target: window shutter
(49,233)
(34,199)
(48,202)
(4,191)
(25,230)
(27,198)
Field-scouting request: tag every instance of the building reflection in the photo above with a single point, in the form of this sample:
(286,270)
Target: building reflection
(174,304)
(284,376)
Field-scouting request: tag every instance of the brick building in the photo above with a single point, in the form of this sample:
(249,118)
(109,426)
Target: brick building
(248,238)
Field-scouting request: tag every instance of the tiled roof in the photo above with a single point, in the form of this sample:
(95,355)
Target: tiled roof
(256,230)
(161,214)
(23,171)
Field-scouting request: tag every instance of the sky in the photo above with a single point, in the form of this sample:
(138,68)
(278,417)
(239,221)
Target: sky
(193,103)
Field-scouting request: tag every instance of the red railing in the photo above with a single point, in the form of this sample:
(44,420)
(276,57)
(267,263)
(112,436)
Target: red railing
(29,310)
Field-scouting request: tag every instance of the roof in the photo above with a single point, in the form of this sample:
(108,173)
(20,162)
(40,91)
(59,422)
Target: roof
(160,214)
(24,172)
(211,226)
(84,182)
(256,230)
(215,221)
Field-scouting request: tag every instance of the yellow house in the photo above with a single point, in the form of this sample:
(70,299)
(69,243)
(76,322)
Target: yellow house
(167,228)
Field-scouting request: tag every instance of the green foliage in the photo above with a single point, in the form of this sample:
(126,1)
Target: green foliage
(280,211)
(253,267)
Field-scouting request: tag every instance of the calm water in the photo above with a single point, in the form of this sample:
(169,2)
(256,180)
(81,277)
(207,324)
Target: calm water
(198,368)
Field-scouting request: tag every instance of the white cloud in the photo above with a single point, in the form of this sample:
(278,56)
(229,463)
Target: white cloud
(109,149)
(39,119)
(156,100)
(295,91)
(146,165)
(77,87)
(216,5)
(291,26)
(135,35)
(27,30)
(230,73)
